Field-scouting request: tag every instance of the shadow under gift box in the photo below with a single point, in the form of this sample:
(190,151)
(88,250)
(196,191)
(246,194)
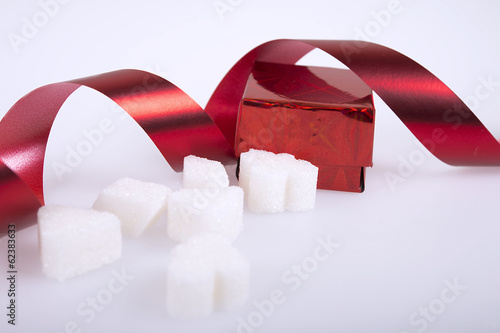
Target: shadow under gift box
(322,115)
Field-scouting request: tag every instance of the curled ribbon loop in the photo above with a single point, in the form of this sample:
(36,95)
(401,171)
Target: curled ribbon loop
(432,112)
(179,127)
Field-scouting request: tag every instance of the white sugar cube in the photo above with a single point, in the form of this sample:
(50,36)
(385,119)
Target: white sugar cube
(199,211)
(246,162)
(136,203)
(275,182)
(74,241)
(206,273)
(232,279)
(190,283)
(267,188)
(301,186)
(200,172)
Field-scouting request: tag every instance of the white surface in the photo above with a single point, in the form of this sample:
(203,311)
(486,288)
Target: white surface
(399,250)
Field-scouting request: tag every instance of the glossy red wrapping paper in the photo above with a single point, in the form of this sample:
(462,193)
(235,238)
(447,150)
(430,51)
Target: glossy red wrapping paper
(179,127)
(321,115)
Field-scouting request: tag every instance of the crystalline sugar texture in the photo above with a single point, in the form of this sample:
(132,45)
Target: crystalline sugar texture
(206,273)
(277,182)
(74,241)
(267,188)
(246,163)
(301,186)
(136,203)
(200,172)
(199,211)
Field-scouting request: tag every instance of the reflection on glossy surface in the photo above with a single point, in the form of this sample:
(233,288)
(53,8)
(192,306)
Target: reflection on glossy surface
(322,115)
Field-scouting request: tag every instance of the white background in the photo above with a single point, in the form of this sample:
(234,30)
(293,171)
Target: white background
(398,246)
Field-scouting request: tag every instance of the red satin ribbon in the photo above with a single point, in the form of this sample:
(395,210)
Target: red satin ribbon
(179,126)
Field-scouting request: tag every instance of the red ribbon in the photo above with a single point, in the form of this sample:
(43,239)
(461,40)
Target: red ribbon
(179,126)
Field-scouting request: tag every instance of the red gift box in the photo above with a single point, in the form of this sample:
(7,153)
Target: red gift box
(322,115)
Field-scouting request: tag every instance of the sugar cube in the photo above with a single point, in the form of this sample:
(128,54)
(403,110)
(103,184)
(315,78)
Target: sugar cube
(232,278)
(301,186)
(136,203)
(246,161)
(276,182)
(267,188)
(74,241)
(198,211)
(200,172)
(206,273)
(190,283)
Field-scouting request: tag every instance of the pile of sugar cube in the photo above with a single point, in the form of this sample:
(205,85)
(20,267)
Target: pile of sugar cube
(276,182)
(74,241)
(205,271)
